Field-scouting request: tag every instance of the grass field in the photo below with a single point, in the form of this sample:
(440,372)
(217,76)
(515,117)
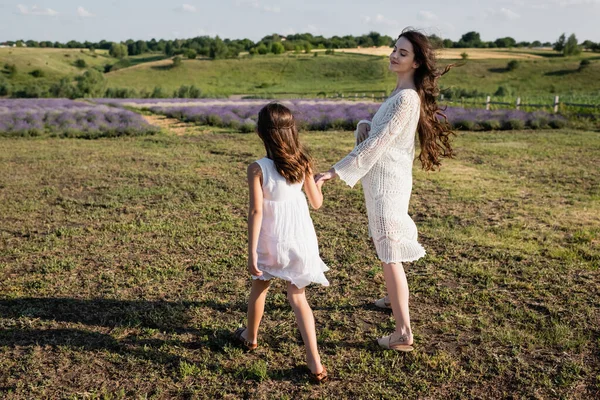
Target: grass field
(356,73)
(122,273)
(540,76)
(55,63)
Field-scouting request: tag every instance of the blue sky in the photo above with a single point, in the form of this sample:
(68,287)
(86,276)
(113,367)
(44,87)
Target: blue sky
(114,20)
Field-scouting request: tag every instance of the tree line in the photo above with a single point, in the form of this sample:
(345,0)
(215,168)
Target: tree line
(217,48)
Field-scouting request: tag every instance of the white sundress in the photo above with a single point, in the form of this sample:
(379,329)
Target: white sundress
(383,163)
(287,244)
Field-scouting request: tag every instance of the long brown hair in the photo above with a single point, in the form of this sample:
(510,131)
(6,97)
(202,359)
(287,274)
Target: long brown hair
(434,130)
(277,129)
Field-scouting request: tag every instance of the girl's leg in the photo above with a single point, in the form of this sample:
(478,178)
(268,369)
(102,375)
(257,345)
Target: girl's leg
(397,288)
(306,324)
(256,309)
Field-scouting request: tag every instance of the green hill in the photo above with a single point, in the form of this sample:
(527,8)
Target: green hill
(308,74)
(54,63)
(349,72)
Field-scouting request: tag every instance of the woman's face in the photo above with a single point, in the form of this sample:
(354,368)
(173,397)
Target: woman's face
(402,59)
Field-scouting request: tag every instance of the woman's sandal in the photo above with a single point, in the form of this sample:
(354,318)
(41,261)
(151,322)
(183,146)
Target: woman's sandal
(386,343)
(321,377)
(382,303)
(243,342)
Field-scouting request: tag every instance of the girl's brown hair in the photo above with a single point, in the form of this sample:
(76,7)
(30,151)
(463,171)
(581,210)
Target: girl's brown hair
(434,130)
(277,129)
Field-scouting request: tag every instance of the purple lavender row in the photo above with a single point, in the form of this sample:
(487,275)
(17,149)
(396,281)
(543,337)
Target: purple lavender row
(66,118)
(327,114)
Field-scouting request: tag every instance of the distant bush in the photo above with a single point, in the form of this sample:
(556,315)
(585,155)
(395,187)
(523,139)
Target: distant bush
(464,125)
(158,93)
(176,61)
(124,63)
(558,123)
(37,73)
(513,124)
(10,70)
(80,63)
(194,93)
(490,125)
(457,93)
(30,92)
(191,54)
(584,64)
(464,55)
(329,52)
(63,89)
(121,93)
(5,88)
(512,65)
(118,50)
(262,49)
(503,91)
(277,48)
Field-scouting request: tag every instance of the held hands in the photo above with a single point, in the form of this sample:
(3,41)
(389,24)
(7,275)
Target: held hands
(323,177)
(362,132)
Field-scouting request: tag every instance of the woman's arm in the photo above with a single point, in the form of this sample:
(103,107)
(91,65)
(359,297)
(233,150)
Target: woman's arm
(254,216)
(356,164)
(313,191)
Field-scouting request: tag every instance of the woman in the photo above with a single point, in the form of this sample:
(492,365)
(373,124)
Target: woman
(382,160)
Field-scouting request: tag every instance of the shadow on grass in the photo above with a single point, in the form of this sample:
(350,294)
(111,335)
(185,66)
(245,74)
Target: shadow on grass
(562,72)
(498,70)
(163,67)
(157,314)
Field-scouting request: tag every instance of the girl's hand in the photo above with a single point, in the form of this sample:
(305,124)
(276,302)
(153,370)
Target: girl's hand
(323,177)
(362,132)
(253,268)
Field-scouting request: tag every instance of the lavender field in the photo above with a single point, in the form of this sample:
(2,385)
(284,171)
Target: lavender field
(68,118)
(327,114)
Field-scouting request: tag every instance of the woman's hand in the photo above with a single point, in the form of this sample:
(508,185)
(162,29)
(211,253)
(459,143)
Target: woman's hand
(362,132)
(323,177)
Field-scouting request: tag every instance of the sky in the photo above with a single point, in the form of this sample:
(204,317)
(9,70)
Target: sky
(119,20)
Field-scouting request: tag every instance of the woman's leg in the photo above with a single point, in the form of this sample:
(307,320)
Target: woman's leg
(256,309)
(397,288)
(306,324)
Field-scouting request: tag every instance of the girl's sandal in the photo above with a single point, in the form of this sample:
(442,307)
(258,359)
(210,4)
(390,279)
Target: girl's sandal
(321,377)
(386,343)
(382,303)
(243,342)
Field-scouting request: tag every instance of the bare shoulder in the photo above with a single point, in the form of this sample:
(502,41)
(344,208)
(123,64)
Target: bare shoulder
(254,170)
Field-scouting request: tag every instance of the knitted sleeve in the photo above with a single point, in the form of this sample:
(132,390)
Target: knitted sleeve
(392,124)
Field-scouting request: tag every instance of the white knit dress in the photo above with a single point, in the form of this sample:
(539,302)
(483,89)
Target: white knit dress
(287,244)
(383,163)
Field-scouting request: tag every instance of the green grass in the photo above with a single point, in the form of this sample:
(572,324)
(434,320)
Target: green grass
(122,273)
(358,73)
(536,80)
(55,63)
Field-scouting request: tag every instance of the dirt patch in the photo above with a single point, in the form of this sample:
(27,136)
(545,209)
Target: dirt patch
(170,124)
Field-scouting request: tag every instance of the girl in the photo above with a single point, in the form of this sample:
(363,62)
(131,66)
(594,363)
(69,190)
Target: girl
(383,160)
(281,238)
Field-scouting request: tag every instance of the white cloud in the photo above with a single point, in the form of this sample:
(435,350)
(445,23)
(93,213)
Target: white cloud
(35,10)
(427,16)
(503,13)
(259,6)
(188,8)
(379,20)
(82,12)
